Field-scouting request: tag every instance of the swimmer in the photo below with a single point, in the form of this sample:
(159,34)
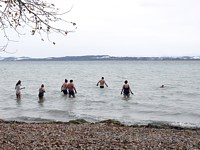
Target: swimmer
(41,91)
(102,82)
(162,86)
(71,88)
(18,89)
(126,90)
(64,87)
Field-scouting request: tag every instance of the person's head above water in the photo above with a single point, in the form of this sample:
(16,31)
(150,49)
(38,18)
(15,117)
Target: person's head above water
(66,80)
(162,86)
(125,81)
(18,83)
(102,78)
(71,81)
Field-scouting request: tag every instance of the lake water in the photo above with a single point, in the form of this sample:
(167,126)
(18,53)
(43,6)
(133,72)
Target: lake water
(176,104)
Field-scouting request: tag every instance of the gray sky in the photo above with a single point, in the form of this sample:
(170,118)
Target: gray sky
(121,28)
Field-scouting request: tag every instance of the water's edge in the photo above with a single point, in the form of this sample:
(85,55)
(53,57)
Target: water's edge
(157,125)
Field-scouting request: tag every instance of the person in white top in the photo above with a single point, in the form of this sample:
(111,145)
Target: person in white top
(18,89)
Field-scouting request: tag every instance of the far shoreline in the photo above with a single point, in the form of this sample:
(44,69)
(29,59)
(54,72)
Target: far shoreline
(104,58)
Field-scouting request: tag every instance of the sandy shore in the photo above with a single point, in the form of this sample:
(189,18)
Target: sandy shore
(102,135)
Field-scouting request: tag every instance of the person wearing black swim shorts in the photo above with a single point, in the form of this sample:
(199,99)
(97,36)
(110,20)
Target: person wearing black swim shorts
(71,88)
(102,82)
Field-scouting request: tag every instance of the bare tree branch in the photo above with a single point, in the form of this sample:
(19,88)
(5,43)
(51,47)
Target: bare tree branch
(38,15)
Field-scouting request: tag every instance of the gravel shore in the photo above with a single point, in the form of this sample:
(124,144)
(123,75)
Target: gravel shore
(102,135)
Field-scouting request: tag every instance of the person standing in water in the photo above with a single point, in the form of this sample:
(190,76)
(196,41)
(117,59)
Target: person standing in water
(41,91)
(126,90)
(18,89)
(64,87)
(102,82)
(71,88)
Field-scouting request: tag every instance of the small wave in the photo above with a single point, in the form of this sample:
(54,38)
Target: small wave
(56,111)
(164,124)
(146,124)
(29,119)
(187,125)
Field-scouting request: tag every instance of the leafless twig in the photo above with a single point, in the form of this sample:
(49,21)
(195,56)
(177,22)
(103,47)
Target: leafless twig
(40,16)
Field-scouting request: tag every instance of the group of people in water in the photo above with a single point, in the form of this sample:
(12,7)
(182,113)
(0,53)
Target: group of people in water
(68,88)
(126,90)
(18,89)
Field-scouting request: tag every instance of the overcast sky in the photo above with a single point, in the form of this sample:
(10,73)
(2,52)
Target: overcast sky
(121,28)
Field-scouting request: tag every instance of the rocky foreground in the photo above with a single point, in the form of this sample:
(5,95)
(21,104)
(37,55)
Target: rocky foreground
(102,135)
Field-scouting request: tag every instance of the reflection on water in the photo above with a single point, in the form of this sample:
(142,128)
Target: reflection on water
(41,101)
(18,100)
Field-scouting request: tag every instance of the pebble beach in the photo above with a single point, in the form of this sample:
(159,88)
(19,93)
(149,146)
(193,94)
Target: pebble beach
(103,135)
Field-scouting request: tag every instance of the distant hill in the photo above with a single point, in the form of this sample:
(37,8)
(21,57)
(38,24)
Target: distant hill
(97,57)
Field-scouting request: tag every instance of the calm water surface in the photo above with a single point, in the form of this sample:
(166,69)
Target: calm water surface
(176,104)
